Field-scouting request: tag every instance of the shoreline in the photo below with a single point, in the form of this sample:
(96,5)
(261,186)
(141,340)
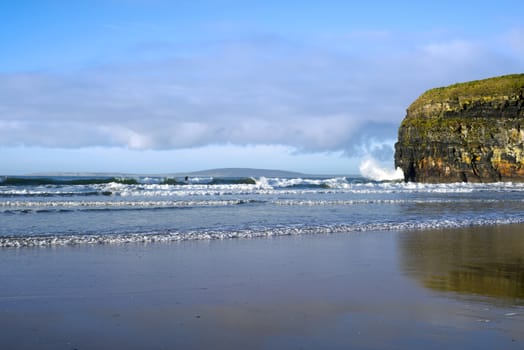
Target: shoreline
(73,240)
(356,290)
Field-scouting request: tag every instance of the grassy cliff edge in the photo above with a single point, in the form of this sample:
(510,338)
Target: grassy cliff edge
(504,87)
(470,132)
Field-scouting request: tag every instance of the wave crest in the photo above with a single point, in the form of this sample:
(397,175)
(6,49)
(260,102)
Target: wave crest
(369,168)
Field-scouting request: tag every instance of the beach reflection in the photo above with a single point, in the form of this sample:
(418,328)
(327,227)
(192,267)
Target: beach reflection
(485,261)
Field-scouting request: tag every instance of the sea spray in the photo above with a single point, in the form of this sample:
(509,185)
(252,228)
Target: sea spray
(370,169)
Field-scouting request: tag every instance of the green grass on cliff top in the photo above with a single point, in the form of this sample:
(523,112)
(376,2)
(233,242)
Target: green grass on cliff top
(506,85)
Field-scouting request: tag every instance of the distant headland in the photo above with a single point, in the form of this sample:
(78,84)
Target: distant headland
(220,172)
(466,132)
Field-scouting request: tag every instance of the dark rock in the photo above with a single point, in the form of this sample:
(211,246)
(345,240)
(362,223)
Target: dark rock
(468,132)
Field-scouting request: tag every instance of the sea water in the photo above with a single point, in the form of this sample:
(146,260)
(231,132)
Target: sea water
(47,211)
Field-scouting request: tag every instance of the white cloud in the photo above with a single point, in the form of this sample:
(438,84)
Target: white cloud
(252,92)
(459,51)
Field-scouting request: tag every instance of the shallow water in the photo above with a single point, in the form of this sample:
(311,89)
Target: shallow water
(469,263)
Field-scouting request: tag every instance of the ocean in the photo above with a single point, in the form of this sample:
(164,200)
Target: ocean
(60,210)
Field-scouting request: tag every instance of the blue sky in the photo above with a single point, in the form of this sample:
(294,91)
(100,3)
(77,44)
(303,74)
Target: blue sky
(173,86)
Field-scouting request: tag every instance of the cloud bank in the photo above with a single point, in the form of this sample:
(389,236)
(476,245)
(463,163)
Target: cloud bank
(314,97)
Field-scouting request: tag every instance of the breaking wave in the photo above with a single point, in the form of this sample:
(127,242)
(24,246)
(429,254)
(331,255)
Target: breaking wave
(74,180)
(37,211)
(370,169)
(61,181)
(262,186)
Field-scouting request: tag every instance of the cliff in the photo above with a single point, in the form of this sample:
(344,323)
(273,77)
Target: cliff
(467,132)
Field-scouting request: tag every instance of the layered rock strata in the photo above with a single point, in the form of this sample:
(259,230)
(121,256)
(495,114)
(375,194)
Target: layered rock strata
(467,132)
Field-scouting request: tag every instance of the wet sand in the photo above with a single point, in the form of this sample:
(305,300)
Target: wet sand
(455,289)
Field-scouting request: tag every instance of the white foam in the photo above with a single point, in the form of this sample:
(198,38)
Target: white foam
(47,206)
(379,201)
(264,186)
(291,230)
(370,169)
(120,204)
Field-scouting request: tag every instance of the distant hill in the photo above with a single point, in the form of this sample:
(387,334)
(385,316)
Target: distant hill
(222,172)
(242,172)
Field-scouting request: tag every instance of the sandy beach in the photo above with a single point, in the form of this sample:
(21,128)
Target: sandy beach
(453,288)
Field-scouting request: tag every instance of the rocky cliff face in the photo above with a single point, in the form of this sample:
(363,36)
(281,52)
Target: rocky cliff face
(468,132)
